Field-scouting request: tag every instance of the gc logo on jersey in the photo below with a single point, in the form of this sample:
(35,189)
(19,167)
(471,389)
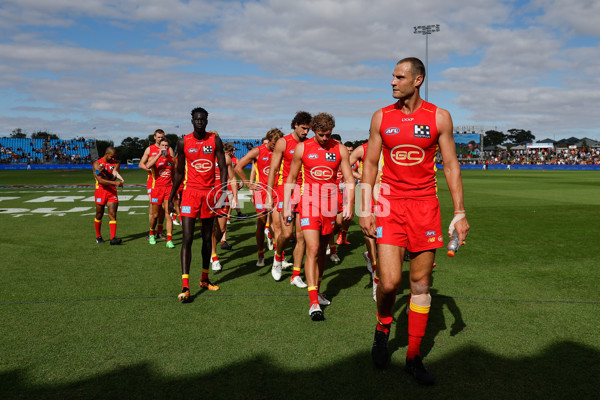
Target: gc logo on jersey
(407,155)
(202,165)
(321,173)
(266,170)
(422,131)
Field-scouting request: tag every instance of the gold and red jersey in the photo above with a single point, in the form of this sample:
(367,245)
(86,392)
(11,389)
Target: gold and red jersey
(409,146)
(262,165)
(162,171)
(320,165)
(107,173)
(199,162)
(286,161)
(154,150)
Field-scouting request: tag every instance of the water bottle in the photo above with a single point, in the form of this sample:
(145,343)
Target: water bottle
(453,245)
(290,219)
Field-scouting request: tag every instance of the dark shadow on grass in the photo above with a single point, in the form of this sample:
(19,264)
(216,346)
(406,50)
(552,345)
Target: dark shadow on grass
(133,236)
(343,278)
(468,373)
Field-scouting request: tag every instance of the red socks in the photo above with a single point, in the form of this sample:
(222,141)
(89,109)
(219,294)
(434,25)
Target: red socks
(417,323)
(313,295)
(98,226)
(113,229)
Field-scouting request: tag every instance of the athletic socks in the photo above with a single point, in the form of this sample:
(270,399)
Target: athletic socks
(296,272)
(169,237)
(261,254)
(313,295)
(186,281)
(214,258)
(204,275)
(113,229)
(98,226)
(159,229)
(278,257)
(332,249)
(384,323)
(151,233)
(417,323)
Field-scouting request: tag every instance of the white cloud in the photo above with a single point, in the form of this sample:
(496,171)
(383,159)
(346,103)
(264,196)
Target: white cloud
(341,39)
(580,17)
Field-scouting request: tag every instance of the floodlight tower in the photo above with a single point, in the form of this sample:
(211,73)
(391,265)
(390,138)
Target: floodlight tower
(426,30)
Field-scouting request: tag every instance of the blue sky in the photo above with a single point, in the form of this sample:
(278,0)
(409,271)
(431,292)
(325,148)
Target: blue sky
(112,69)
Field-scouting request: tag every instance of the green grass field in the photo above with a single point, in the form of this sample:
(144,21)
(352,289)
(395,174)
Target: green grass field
(515,315)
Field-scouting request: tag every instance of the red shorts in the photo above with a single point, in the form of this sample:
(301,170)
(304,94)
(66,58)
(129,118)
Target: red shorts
(159,194)
(312,218)
(294,200)
(412,223)
(103,196)
(194,202)
(258,199)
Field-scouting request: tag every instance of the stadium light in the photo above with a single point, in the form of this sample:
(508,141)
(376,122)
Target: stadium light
(426,30)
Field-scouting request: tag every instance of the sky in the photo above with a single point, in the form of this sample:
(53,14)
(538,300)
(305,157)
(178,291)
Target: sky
(111,69)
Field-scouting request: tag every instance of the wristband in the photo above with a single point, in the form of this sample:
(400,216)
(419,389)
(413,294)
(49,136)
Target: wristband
(459,212)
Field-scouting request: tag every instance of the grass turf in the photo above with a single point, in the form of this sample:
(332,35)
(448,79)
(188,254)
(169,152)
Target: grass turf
(514,314)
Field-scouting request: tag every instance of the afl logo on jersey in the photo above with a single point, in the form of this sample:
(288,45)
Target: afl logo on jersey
(202,165)
(392,131)
(321,173)
(313,156)
(266,158)
(407,154)
(193,150)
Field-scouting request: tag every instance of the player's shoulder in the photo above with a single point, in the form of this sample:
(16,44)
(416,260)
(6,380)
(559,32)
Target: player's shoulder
(442,113)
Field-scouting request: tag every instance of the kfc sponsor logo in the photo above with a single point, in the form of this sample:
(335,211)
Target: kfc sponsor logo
(202,165)
(321,173)
(407,119)
(407,155)
(392,131)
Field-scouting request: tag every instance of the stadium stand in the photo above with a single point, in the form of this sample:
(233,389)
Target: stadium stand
(40,151)
(242,146)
